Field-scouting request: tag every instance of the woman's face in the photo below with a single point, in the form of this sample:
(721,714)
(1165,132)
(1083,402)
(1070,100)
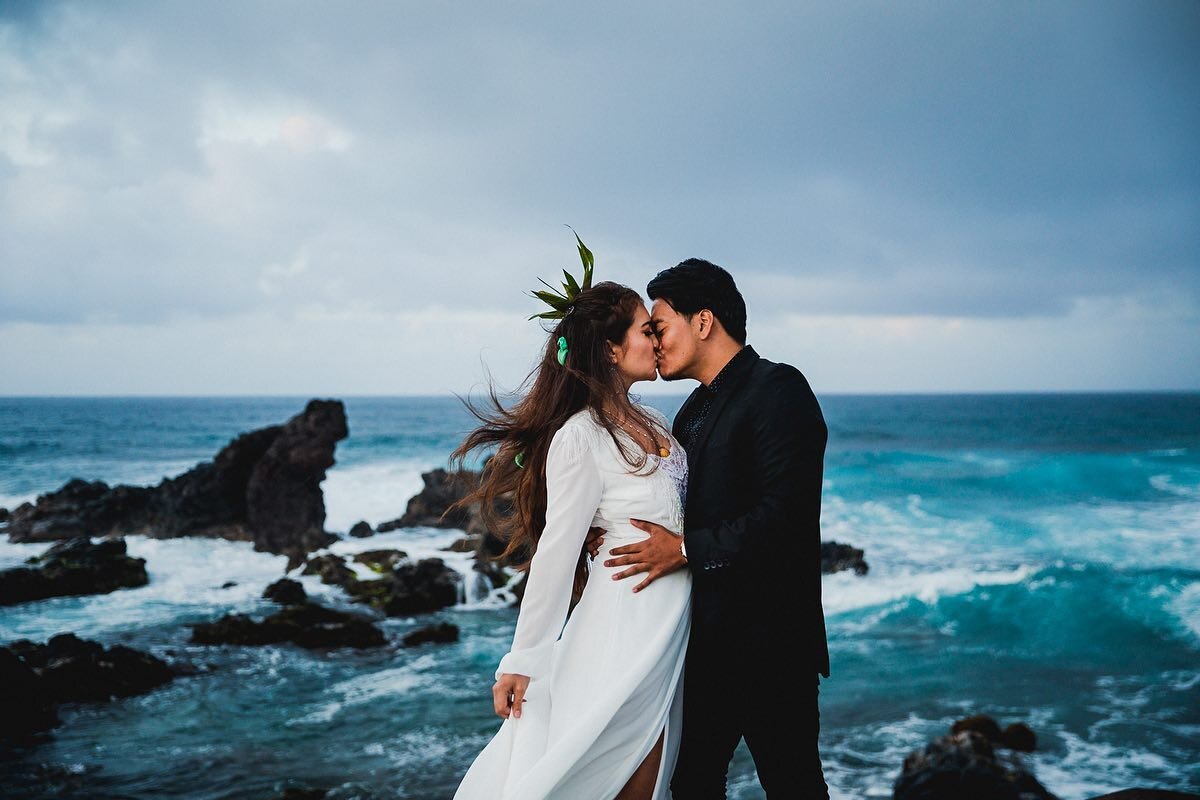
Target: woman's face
(635,357)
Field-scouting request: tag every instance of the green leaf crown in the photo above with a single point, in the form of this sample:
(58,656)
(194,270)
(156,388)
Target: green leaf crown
(560,302)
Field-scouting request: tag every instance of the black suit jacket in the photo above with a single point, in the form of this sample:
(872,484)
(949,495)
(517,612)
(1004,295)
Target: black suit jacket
(753,517)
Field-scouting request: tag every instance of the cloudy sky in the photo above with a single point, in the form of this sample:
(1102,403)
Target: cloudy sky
(325,199)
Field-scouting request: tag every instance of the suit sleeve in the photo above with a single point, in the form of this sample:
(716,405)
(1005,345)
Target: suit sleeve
(573,490)
(789,437)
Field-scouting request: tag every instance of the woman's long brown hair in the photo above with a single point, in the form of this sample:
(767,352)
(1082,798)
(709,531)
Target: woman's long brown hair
(588,379)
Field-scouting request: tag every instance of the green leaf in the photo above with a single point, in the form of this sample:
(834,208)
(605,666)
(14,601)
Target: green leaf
(555,290)
(553,300)
(571,286)
(588,260)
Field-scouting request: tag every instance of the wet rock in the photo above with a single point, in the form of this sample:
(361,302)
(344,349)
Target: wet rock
(362,529)
(442,488)
(836,557)
(263,487)
(441,633)
(307,625)
(73,567)
(286,591)
(35,678)
(965,763)
(331,568)
(980,723)
(1019,736)
(28,707)
(381,561)
(403,588)
(467,544)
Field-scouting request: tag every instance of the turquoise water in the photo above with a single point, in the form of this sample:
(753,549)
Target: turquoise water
(1035,557)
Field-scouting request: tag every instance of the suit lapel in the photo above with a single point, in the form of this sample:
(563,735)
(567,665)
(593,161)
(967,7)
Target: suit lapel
(730,383)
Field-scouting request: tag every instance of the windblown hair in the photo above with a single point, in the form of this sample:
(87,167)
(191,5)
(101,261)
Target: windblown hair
(588,379)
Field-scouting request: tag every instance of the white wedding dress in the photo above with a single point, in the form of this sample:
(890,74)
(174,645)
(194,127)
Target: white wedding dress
(599,696)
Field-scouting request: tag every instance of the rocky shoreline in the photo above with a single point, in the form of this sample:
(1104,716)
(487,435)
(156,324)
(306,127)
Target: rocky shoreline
(264,487)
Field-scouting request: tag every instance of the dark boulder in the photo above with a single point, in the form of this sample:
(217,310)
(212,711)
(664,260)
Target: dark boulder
(966,763)
(35,678)
(286,591)
(980,723)
(331,568)
(836,557)
(307,625)
(263,487)
(442,488)
(28,707)
(73,567)
(403,588)
(381,561)
(1019,736)
(441,633)
(362,530)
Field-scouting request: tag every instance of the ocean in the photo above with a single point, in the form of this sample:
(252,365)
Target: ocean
(1035,557)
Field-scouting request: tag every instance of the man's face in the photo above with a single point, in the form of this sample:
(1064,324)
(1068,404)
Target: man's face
(676,353)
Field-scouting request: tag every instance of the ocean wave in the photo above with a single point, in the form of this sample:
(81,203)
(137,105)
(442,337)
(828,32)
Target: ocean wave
(843,591)
(1166,483)
(377,491)
(382,685)
(186,579)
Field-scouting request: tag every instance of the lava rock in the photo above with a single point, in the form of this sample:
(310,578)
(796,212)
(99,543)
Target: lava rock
(35,678)
(263,487)
(362,529)
(307,625)
(965,763)
(836,557)
(286,591)
(381,561)
(1019,736)
(73,567)
(441,633)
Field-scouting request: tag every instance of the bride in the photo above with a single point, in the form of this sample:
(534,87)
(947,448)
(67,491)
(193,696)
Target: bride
(593,714)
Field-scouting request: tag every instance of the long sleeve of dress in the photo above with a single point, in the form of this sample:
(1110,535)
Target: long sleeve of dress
(573,490)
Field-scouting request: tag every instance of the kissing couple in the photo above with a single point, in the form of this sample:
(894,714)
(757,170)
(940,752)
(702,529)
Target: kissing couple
(683,558)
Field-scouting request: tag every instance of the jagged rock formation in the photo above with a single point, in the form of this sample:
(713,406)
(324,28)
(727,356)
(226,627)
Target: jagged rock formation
(404,587)
(441,633)
(264,487)
(73,567)
(837,557)
(967,763)
(305,624)
(36,678)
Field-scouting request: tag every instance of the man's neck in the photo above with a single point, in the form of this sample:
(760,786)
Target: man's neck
(721,355)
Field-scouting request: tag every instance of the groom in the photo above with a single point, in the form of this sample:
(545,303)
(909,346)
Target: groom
(755,440)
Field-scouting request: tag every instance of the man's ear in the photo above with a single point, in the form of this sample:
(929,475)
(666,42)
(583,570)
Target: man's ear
(704,319)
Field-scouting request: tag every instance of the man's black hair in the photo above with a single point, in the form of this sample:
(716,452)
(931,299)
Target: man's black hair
(695,284)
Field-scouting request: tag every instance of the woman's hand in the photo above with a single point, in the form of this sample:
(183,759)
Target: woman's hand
(508,694)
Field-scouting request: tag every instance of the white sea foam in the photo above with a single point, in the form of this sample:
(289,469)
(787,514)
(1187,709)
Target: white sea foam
(845,591)
(186,575)
(1092,768)
(384,684)
(1186,606)
(12,501)
(1166,483)
(376,492)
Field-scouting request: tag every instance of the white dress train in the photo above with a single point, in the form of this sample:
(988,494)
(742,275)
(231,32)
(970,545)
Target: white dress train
(600,695)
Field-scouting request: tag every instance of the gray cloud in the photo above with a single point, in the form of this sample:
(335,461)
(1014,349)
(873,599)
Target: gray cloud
(168,160)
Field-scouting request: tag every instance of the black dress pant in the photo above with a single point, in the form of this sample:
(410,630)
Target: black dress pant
(729,694)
